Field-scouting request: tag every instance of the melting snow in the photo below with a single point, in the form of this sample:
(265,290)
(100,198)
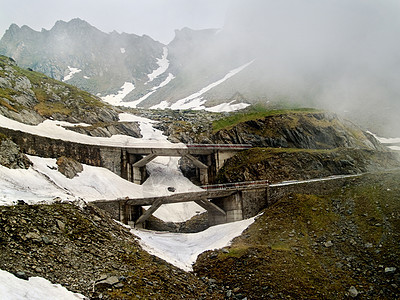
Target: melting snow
(163,64)
(227,107)
(185,102)
(182,249)
(54,129)
(43,182)
(72,72)
(153,90)
(388,141)
(196,102)
(116,99)
(36,288)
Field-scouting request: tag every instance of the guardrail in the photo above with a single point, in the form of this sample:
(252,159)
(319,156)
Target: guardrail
(234,185)
(222,146)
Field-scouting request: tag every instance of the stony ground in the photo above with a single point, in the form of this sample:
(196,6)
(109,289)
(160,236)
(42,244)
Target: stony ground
(337,246)
(87,252)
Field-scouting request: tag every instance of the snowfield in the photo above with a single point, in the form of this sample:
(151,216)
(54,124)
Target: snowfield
(163,64)
(36,288)
(182,249)
(42,183)
(196,101)
(116,99)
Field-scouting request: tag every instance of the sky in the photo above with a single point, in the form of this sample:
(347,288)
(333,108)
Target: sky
(156,18)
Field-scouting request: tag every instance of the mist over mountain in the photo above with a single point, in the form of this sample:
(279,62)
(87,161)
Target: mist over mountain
(102,62)
(340,55)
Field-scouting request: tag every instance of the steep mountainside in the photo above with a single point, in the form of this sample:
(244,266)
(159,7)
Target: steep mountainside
(124,66)
(219,70)
(82,55)
(306,129)
(338,246)
(298,144)
(30,97)
(88,252)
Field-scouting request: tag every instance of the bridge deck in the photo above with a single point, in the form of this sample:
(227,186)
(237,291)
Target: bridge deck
(195,149)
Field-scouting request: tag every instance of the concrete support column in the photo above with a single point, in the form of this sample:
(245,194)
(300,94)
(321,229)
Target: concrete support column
(137,175)
(232,205)
(123,212)
(203,175)
(124,162)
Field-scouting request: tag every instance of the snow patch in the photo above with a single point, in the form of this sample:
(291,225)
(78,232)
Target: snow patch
(42,183)
(36,288)
(122,50)
(116,99)
(54,129)
(134,103)
(72,72)
(163,64)
(227,107)
(182,249)
(162,105)
(384,141)
(196,102)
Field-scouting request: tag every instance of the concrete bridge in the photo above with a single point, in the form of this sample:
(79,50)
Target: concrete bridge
(127,162)
(207,158)
(223,202)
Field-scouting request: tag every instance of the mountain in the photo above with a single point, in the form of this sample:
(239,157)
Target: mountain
(82,55)
(127,69)
(253,58)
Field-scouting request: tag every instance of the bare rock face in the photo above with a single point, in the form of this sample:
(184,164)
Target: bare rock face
(69,167)
(11,155)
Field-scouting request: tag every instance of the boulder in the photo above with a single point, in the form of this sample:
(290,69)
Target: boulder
(69,167)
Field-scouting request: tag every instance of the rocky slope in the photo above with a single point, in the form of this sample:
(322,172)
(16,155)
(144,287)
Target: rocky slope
(87,252)
(106,61)
(337,246)
(31,97)
(277,165)
(305,129)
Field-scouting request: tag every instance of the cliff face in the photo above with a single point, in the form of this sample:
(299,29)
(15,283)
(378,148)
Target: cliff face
(311,130)
(300,145)
(278,165)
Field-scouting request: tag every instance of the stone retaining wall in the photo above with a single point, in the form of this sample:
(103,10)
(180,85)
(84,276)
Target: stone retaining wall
(99,156)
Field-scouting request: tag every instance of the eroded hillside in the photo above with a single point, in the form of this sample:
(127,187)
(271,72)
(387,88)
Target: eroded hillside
(345,244)
(86,251)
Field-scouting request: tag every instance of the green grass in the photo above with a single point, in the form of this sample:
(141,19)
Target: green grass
(253,113)
(47,91)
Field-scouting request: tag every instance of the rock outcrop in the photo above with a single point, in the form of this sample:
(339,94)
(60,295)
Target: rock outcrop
(308,130)
(11,155)
(69,167)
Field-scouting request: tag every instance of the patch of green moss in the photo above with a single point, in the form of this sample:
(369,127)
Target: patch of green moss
(254,113)
(48,109)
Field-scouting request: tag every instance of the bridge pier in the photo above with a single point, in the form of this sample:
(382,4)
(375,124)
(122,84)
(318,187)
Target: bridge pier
(233,207)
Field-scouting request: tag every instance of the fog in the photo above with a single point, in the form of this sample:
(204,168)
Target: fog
(338,54)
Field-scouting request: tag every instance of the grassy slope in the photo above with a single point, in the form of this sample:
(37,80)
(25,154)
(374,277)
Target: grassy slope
(254,112)
(286,253)
(52,96)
